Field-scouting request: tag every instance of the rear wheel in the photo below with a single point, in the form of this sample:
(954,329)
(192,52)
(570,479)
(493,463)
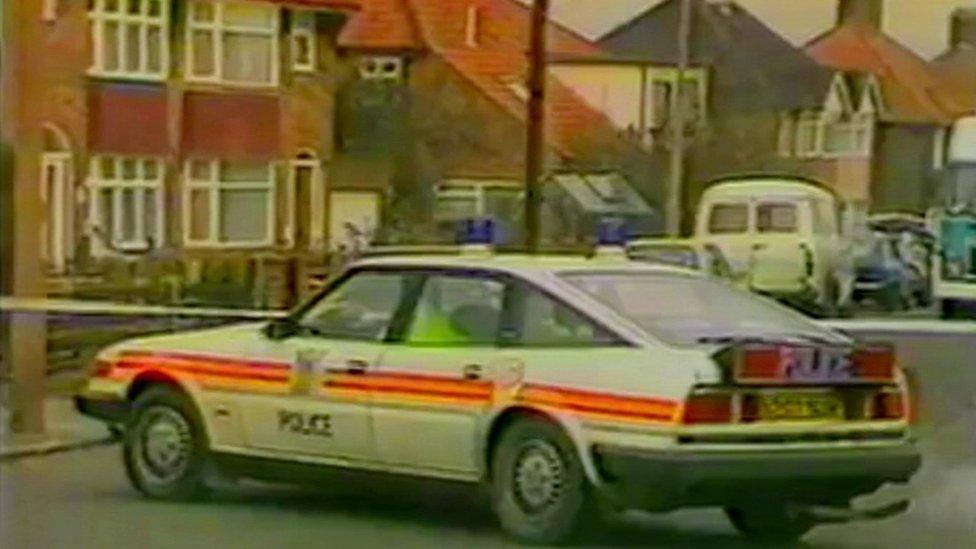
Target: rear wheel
(769,523)
(538,484)
(165,446)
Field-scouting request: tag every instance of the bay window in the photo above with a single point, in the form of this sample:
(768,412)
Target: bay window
(229,203)
(130,38)
(232,42)
(126,202)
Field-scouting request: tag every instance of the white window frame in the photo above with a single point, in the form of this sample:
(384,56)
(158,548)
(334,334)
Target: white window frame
(98,17)
(49,10)
(212,186)
(809,121)
(96,183)
(669,76)
(377,72)
(861,130)
(303,27)
(218,30)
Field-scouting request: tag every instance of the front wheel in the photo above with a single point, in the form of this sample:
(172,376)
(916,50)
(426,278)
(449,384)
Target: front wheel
(770,523)
(165,446)
(538,485)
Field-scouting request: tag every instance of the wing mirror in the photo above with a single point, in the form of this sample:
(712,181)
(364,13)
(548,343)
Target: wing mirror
(281,328)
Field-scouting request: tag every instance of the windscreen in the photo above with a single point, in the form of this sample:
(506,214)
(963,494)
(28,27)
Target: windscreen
(686,310)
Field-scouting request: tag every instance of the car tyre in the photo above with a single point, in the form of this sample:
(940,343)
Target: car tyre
(165,448)
(893,299)
(769,523)
(539,489)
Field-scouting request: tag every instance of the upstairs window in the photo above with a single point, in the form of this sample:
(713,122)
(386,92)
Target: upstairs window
(660,94)
(232,43)
(129,38)
(381,67)
(303,45)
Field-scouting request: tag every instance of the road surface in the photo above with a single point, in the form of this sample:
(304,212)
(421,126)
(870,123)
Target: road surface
(81,500)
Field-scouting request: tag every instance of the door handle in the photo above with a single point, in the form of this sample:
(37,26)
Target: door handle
(356,366)
(472,372)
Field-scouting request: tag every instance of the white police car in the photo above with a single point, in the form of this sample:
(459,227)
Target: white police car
(561,382)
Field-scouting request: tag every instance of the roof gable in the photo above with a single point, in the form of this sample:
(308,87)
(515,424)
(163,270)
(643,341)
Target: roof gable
(495,64)
(383,25)
(911,90)
(728,39)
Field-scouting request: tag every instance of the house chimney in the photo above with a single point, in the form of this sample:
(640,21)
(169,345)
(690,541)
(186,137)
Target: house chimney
(962,28)
(471,25)
(863,12)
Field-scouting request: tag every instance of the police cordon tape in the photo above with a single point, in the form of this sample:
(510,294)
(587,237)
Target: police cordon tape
(83,307)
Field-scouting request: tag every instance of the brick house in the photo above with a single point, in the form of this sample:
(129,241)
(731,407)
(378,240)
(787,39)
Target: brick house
(742,78)
(441,86)
(191,129)
(879,135)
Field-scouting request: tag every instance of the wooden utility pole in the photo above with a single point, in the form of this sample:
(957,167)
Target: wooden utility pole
(22,334)
(677,118)
(535,126)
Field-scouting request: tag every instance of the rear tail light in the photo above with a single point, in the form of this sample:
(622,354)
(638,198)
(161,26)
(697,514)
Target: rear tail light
(759,363)
(874,363)
(889,405)
(704,408)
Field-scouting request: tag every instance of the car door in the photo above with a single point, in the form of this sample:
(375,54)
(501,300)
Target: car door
(433,388)
(727,225)
(338,340)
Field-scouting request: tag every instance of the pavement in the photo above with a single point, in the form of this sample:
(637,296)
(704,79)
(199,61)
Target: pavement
(66,430)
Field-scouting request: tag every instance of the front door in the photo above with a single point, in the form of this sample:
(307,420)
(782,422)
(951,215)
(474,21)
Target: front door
(436,382)
(57,223)
(338,344)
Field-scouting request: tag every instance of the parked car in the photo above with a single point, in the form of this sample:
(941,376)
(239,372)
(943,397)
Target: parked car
(954,268)
(782,234)
(678,252)
(886,276)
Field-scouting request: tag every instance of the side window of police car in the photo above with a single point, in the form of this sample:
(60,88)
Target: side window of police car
(457,310)
(361,308)
(545,322)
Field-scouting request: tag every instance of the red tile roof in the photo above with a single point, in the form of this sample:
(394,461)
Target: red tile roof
(496,65)
(912,91)
(381,25)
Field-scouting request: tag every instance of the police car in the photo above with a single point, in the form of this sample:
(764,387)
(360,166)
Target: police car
(567,385)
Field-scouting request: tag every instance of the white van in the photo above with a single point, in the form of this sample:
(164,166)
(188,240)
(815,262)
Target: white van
(781,233)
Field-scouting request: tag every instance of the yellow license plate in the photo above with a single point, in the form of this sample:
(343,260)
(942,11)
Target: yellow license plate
(800,406)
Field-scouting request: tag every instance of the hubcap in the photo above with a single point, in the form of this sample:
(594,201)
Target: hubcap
(538,476)
(164,444)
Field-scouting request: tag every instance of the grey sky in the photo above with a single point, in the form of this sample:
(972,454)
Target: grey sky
(920,24)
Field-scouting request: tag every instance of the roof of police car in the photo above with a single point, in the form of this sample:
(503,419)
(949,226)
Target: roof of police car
(521,262)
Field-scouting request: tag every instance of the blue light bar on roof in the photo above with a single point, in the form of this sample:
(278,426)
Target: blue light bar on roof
(612,231)
(478,231)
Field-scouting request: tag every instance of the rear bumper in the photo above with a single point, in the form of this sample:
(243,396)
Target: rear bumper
(662,480)
(105,409)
